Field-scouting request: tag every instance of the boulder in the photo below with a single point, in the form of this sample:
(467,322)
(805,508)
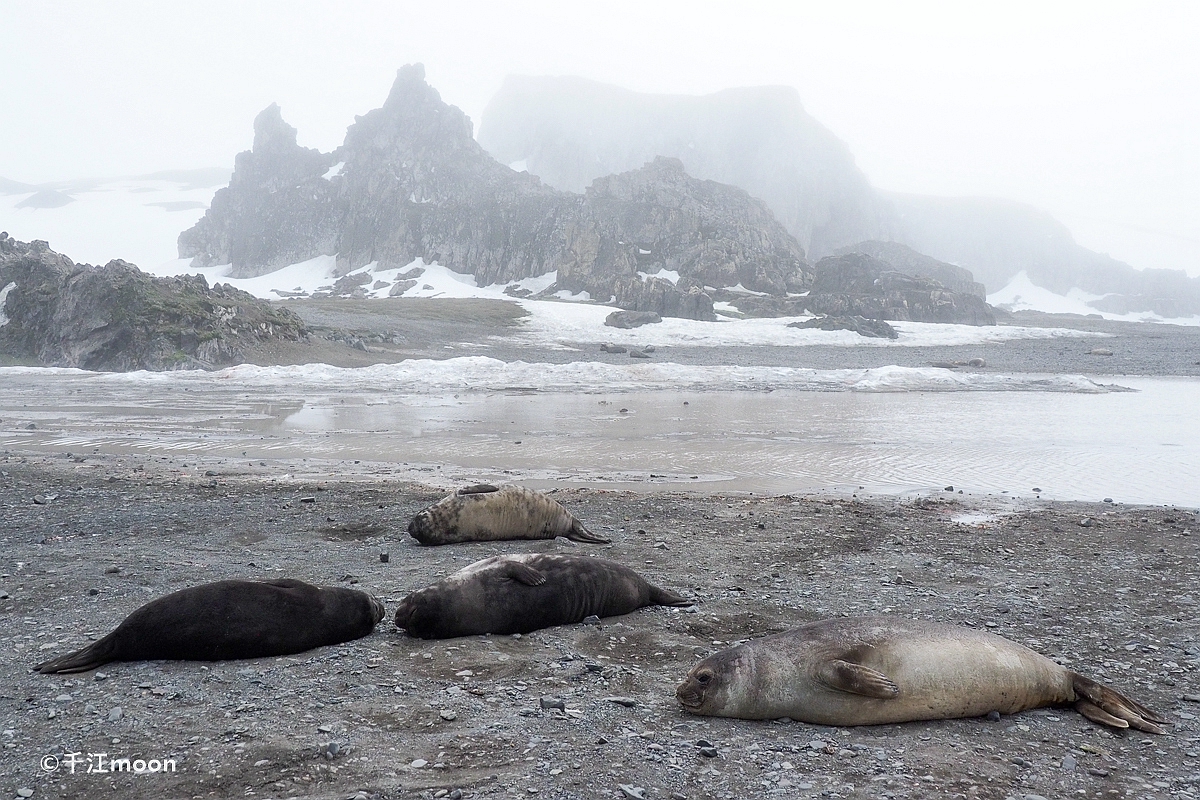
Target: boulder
(631,319)
(871,328)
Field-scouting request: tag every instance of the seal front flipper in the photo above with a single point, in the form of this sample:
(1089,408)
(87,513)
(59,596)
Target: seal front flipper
(856,679)
(1109,707)
(578,533)
(523,573)
(478,488)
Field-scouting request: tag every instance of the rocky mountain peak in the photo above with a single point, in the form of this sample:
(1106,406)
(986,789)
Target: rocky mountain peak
(271,133)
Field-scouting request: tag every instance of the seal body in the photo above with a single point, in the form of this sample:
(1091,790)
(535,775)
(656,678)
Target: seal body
(874,670)
(486,513)
(523,593)
(231,619)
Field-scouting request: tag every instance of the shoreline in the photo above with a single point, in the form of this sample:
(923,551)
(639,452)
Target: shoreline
(1113,598)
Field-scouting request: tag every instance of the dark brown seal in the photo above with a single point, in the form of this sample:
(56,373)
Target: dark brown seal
(484,513)
(873,670)
(523,593)
(231,619)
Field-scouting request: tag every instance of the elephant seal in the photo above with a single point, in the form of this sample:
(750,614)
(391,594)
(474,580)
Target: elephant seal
(231,619)
(484,513)
(875,670)
(523,593)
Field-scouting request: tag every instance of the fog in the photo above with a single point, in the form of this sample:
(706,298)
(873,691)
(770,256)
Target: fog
(1090,111)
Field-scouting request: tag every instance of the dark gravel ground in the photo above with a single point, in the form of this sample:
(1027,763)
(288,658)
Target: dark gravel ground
(400,328)
(1114,598)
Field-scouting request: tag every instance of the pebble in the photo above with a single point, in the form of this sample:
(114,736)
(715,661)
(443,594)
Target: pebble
(1069,763)
(362,795)
(23,792)
(420,762)
(548,703)
(628,702)
(1192,698)
(115,714)
(1086,522)
(591,619)
(384,558)
(708,752)
(1099,773)
(331,750)
(448,715)
(93,591)
(635,792)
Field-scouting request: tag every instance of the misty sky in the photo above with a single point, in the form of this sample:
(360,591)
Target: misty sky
(1088,110)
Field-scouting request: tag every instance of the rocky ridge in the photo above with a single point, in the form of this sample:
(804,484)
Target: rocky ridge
(54,312)
(411,182)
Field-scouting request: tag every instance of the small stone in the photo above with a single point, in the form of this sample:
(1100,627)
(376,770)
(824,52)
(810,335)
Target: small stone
(115,714)
(948,489)
(464,673)
(23,792)
(420,762)
(628,702)
(1192,698)
(1018,761)
(447,715)
(324,729)
(1086,522)
(660,545)
(112,570)
(99,676)
(708,752)
(634,792)
(703,743)
(1108,500)
(262,762)
(93,592)
(1099,773)
(548,703)
(1099,351)
(384,558)
(208,473)
(591,619)
(1069,763)
(331,750)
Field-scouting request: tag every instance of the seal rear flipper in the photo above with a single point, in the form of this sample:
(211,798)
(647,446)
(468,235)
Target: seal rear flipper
(578,533)
(661,597)
(478,488)
(96,654)
(523,573)
(1109,707)
(856,679)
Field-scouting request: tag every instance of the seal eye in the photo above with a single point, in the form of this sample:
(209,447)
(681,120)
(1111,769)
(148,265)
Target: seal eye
(703,678)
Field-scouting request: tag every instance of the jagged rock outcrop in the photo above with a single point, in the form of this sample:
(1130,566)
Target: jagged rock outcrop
(410,182)
(860,285)
(903,258)
(117,318)
(570,131)
(277,209)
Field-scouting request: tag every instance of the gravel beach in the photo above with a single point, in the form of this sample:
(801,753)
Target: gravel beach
(579,711)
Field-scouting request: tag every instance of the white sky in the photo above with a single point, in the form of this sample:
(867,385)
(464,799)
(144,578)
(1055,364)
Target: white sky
(1089,110)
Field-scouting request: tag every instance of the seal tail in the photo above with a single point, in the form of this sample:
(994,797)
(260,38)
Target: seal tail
(661,597)
(1109,707)
(94,655)
(578,533)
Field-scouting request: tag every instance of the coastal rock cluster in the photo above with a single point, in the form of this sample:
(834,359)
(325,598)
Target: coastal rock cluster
(56,313)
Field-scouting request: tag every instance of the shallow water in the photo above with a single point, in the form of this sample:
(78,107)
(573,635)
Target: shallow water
(1136,447)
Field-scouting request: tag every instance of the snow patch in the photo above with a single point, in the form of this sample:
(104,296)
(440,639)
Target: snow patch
(1021,294)
(334,171)
(519,166)
(3,299)
(666,274)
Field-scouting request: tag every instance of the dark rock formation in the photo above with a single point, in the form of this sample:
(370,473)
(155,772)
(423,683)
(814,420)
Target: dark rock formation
(277,209)
(570,131)
(859,285)
(117,318)
(903,258)
(412,182)
(871,328)
(631,319)
(755,305)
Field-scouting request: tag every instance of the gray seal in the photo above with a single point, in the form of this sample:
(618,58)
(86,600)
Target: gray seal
(484,513)
(875,670)
(231,619)
(523,593)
